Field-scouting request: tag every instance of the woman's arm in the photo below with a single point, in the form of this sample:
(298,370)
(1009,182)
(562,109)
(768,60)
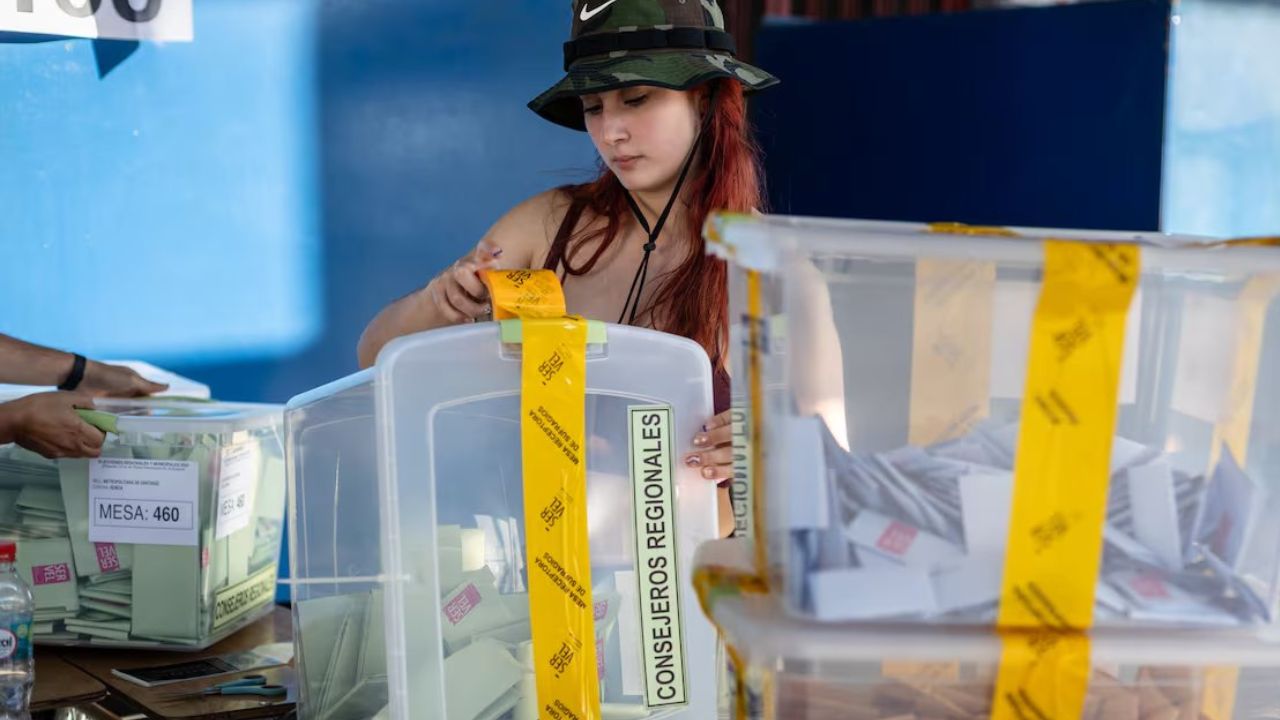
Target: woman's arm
(457,295)
(819,382)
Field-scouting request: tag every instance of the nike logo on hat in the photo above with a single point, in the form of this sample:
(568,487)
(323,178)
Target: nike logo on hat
(588,13)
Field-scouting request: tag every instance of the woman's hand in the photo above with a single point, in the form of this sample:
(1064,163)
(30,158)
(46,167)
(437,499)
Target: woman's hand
(714,455)
(458,292)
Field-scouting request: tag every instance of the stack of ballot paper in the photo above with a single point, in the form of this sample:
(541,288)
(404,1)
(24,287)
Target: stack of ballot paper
(487,643)
(920,534)
(96,592)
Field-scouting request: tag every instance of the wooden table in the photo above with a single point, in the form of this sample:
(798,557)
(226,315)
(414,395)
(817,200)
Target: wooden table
(158,702)
(60,684)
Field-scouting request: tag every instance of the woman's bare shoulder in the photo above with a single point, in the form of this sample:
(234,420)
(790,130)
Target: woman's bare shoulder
(525,232)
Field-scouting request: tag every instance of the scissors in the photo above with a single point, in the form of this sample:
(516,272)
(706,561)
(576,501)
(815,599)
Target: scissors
(247,685)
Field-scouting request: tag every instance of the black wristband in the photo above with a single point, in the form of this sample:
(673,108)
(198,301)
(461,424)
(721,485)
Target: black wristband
(77,374)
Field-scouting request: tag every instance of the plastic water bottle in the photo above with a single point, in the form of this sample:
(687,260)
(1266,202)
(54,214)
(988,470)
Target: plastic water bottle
(17,668)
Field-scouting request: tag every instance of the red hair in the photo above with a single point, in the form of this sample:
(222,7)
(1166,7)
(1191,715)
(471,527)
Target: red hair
(691,300)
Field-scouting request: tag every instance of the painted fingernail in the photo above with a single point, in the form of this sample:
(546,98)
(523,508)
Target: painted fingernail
(497,253)
(693,460)
(699,439)
(708,473)
(704,428)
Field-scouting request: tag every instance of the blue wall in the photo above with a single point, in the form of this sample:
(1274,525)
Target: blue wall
(237,208)
(1222,138)
(1040,116)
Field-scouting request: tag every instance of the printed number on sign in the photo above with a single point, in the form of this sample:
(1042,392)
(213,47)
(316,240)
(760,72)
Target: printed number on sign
(128,9)
(230,505)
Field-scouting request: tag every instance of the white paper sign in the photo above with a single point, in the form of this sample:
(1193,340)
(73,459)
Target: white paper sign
(237,483)
(1206,354)
(166,20)
(149,502)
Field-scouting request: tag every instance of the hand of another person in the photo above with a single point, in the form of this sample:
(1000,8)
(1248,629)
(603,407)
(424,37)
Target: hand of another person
(47,423)
(116,381)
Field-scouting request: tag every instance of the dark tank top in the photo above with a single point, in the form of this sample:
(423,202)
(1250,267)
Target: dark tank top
(555,262)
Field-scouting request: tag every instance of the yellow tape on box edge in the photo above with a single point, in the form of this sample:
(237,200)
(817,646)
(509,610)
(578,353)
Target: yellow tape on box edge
(1061,477)
(1232,432)
(756,344)
(950,348)
(552,435)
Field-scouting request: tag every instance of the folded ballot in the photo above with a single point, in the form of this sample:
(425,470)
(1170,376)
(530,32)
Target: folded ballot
(48,567)
(921,533)
(486,634)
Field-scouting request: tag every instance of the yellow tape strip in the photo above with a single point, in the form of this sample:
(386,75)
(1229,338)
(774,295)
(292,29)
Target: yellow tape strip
(1218,700)
(756,347)
(1061,475)
(950,373)
(552,434)
(955,228)
(951,348)
(1064,445)
(1043,675)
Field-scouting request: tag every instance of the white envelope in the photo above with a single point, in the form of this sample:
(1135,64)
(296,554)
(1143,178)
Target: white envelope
(871,594)
(898,540)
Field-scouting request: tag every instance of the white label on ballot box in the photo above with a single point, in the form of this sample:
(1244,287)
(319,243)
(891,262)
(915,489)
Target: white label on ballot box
(149,502)
(167,20)
(237,482)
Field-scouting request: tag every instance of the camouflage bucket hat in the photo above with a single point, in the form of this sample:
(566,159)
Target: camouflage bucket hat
(675,44)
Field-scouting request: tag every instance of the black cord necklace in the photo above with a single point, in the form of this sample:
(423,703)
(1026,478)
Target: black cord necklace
(642,272)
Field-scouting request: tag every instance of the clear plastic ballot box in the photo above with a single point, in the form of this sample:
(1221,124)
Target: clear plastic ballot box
(795,669)
(891,362)
(408,565)
(170,539)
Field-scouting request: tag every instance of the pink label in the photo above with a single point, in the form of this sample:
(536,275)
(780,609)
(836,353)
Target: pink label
(601,609)
(1149,586)
(897,538)
(108,558)
(50,574)
(600,668)
(204,557)
(462,604)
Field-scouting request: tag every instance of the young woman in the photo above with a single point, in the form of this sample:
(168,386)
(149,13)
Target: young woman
(655,86)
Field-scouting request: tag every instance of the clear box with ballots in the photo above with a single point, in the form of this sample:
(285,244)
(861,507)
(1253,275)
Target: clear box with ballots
(795,669)
(170,539)
(408,564)
(884,368)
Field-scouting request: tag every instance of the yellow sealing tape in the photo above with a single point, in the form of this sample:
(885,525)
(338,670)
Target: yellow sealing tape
(1218,698)
(552,434)
(757,346)
(1043,675)
(955,228)
(951,348)
(712,582)
(950,371)
(1061,474)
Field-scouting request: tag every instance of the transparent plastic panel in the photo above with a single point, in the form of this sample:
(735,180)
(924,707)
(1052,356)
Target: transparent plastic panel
(335,547)
(408,546)
(893,382)
(170,539)
(798,669)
